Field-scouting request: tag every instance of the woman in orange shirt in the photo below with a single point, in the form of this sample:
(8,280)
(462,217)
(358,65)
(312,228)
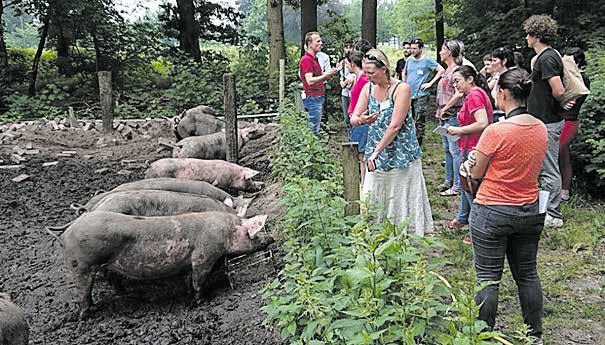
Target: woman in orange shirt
(505,220)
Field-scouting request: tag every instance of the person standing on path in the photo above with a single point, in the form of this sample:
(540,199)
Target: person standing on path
(547,88)
(416,73)
(394,182)
(313,78)
(449,103)
(505,220)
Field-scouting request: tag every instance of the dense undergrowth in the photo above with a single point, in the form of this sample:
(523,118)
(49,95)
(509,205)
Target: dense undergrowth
(348,280)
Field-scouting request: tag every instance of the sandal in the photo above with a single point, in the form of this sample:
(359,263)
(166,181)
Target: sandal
(467,240)
(450,192)
(444,186)
(456,224)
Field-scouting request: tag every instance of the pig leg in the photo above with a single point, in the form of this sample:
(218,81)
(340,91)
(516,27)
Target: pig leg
(84,281)
(201,265)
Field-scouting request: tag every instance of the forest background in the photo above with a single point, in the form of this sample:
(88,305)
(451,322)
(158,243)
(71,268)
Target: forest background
(173,56)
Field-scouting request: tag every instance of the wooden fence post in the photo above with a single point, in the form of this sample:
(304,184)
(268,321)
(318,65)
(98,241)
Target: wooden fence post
(282,80)
(230,106)
(106,100)
(298,102)
(350,165)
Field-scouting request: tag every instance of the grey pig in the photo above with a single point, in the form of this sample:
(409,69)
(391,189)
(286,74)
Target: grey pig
(14,329)
(200,120)
(219,173)
(213,146)
(156,247)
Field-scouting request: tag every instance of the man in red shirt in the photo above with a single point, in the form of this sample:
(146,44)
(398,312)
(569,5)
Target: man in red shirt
(313,80)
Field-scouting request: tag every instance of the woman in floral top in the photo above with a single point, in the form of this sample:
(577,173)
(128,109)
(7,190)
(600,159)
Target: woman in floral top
(394,180)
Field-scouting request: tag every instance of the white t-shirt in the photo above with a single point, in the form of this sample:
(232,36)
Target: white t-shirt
(324,61)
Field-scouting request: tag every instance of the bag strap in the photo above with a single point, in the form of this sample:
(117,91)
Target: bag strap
(392,97)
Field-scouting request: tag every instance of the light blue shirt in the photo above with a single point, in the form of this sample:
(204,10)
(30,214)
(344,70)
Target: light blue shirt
(417,73)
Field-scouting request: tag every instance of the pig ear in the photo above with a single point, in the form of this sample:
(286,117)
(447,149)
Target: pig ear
(229,202)
(254,225)
(249,173)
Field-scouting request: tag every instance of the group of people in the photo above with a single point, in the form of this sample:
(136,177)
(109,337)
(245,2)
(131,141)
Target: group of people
(506,134)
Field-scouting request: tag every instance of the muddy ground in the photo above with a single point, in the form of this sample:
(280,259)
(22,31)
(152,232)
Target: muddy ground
(31,264)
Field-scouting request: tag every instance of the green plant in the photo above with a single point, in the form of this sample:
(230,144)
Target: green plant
(21,106)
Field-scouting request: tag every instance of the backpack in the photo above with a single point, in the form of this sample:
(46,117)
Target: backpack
(572,81)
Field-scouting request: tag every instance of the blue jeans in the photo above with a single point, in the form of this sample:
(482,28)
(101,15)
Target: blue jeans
(466,199)
(452,156)
(514,232)
(314,105)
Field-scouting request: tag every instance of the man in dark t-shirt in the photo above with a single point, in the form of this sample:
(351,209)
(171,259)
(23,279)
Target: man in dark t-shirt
(543,103)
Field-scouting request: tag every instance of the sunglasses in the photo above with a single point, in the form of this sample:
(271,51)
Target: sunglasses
(374,59)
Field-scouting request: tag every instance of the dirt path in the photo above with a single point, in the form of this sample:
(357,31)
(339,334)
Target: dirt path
(31,265)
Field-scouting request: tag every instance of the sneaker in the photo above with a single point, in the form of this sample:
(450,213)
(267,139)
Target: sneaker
(552,222)
(564,194)
(444,186)
(450,192)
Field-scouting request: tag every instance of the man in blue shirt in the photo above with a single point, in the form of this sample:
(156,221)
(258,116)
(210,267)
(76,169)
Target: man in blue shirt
(418,67)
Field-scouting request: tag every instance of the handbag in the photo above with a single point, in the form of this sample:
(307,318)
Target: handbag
(469,184)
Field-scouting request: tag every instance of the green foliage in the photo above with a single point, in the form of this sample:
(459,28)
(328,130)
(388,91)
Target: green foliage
(21,106)
(25,36)
(348,280)
(590,144)
(248,65)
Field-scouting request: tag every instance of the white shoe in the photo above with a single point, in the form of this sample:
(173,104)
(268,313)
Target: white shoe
(552,222)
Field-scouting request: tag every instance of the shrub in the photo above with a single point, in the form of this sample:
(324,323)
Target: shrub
(589,148)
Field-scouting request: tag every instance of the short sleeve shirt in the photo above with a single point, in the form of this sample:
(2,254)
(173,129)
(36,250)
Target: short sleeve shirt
(445,88)
(356,91)
(417,73)
(476,100)
(309,64)
(516,154)
(541,103)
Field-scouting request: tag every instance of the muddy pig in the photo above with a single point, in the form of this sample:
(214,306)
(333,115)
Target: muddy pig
(219,173)
(153,203)
(167,184)
(200,120)
(213,146)
(156,247)
(14,329)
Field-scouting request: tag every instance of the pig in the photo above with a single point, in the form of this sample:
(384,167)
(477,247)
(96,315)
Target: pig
(143,248)
(200,120)
(152,203)
(14,329)
(167,184)
(219,173)
(213,146)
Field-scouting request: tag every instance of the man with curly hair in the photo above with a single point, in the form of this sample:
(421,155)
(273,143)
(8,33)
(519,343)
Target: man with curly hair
(547,89)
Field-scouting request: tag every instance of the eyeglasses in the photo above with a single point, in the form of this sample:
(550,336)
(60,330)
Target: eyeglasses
(455,81)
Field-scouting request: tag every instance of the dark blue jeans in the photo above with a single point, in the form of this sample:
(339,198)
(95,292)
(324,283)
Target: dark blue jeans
(466,199)
(314,107)
(514,232)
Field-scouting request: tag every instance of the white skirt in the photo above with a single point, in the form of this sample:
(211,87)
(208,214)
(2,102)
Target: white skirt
(401,195)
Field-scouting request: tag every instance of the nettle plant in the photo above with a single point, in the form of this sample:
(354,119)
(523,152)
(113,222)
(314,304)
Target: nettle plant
(351,280)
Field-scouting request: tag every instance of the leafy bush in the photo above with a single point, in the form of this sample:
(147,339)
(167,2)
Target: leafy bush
(21,106)
(348,280)
(590,144)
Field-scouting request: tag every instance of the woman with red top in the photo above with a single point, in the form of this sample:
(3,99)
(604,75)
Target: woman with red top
(505,219)
(358,134)
(476,114)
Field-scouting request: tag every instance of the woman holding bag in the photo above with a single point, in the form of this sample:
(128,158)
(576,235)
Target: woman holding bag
(394,180)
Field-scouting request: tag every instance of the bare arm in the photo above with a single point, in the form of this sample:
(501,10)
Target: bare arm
(557,87)
(440,71)
(311,80)
(480,167)
(360,112)
(481,122)
(455,98)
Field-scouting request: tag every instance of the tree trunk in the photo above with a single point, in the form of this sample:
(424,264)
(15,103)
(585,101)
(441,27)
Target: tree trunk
(36,63)
(63,43)
(188,29)
(368,21)
(439,27)
(308,20)
(3,51)
(277,50)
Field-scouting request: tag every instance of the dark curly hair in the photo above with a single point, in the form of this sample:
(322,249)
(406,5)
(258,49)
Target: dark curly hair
(541,26)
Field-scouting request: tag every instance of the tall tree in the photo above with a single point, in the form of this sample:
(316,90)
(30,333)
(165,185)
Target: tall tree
(277,49)
(308,20)
(368,21)
(188,29)
(439,26)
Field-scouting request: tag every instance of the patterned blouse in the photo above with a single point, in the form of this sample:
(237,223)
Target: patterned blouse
(404,149)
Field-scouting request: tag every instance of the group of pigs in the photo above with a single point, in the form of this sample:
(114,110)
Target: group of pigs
(178,219)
